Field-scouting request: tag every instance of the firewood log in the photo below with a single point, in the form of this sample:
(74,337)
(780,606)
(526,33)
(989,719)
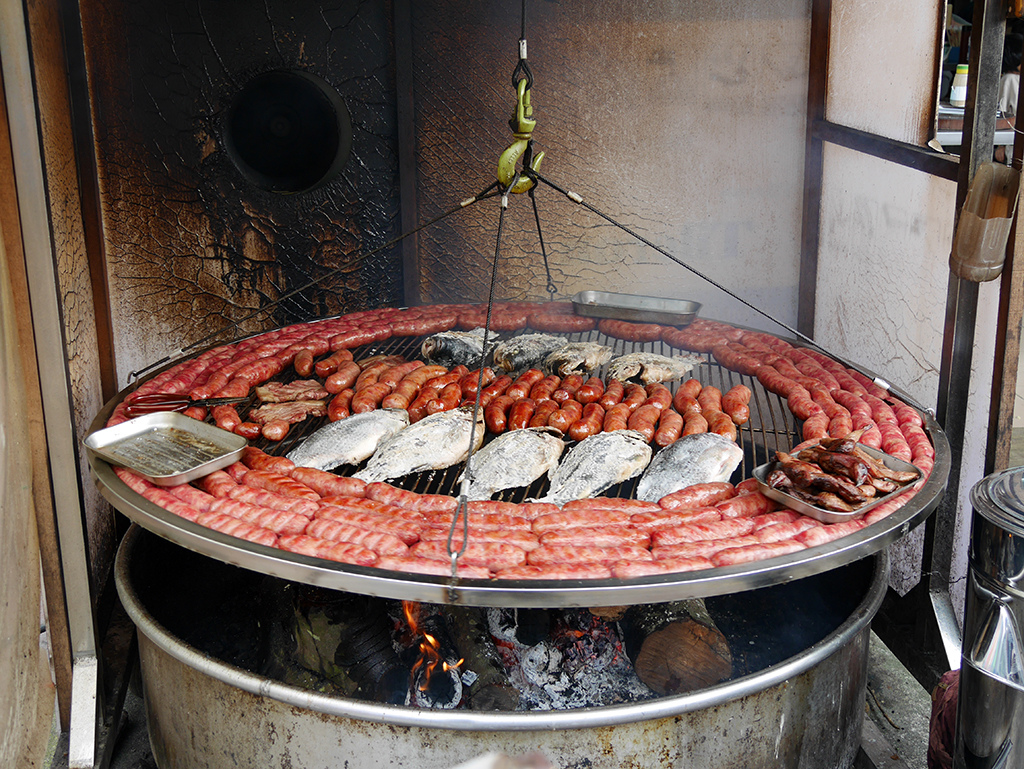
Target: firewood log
(676,647)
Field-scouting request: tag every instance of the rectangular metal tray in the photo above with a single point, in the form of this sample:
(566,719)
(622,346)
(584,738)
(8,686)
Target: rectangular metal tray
(831,516)
(642,309)
(166,447)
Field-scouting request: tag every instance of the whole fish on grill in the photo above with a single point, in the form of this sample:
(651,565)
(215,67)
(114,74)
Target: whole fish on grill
(648,367)
(598,463)
(454,348)
(577,358)
(700,458)
(526,351)
(435,442)
(515,458)
(350,440)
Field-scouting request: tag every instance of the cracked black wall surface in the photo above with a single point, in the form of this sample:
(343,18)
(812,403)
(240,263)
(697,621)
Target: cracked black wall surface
(191,245)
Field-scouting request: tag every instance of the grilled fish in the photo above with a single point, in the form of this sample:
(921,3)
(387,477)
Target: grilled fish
(454,348)
(648,367)
(349,441)
(577,358)
(515,458)
(598,463)
(700,458)
(526,351)
(437,441)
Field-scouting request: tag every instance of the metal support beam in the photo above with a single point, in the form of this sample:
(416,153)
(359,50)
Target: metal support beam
(987,32)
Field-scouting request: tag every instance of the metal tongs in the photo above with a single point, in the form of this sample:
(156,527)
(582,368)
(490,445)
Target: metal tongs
(151,403)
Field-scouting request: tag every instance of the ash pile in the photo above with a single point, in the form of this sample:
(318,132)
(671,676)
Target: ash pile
(497,659)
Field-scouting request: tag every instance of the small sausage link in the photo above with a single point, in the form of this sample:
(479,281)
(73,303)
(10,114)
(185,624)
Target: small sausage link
(324,368)
(496,414)
(275,430)
(471,383)
(565,417)
(616,418)
(644,420)
(343,378)
(545,408)
(545,388)
(226,417)
(495,389)
(569,387)
(370,397)
(721,423)
(340,405)
(591,391)
(520,412)
(303,363)
(685,404)
(670,428)
(524,383)
(694,424)
(589,424)
(658,395)
(396,374)
(613,393)
(710,399)
(634,397)
(691,387)
(735,404)
(248,430)
(449,398)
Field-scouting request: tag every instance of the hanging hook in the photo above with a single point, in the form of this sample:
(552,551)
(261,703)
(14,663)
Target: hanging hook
(522,125)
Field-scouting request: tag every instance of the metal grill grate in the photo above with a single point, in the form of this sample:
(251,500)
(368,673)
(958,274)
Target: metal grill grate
(771,424)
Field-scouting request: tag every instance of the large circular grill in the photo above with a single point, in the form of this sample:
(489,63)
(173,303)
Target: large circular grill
(771,427)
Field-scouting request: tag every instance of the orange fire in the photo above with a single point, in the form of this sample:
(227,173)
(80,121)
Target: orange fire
(430,650)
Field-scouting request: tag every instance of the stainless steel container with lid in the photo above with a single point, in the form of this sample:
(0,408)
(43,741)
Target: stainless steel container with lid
(990,716)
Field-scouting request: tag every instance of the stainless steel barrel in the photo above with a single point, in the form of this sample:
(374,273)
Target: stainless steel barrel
(990,716)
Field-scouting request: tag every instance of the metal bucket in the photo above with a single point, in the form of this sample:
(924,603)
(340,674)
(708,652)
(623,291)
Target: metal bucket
(990,711)
(805,711)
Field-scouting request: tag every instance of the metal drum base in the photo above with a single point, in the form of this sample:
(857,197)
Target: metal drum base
(807,711)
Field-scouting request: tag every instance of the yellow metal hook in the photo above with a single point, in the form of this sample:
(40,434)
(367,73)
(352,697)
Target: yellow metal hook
(522,125)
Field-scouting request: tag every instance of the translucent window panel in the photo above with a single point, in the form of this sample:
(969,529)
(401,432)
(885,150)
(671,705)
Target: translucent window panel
(883,258)
(882,67)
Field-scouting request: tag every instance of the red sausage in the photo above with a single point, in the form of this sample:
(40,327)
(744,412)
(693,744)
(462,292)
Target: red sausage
(644,421)
(670,427)
(343,378)
(329,365)
(565,417)
(543,412)
(735,404)
(590,423)
(279,483)
(545,388)
(496,414)
(275,430)
(524,383)
(698,495)
(303,363)
(328,484)
(613,393)
(370,397)
(494,389)
(658,395)
(616,418)
(591,391)
(634,396)
(340,405)
(520,413)
(248,430)
(691,388)
(694,424)
(569,387)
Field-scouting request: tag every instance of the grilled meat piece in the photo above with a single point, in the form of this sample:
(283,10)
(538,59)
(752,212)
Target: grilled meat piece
(812,477)
(838,463)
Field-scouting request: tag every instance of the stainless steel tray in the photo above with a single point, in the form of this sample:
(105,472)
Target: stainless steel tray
(831,516)
(643,309)
(166,447)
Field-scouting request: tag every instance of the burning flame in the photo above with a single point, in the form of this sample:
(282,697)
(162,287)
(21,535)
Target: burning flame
(430,650)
